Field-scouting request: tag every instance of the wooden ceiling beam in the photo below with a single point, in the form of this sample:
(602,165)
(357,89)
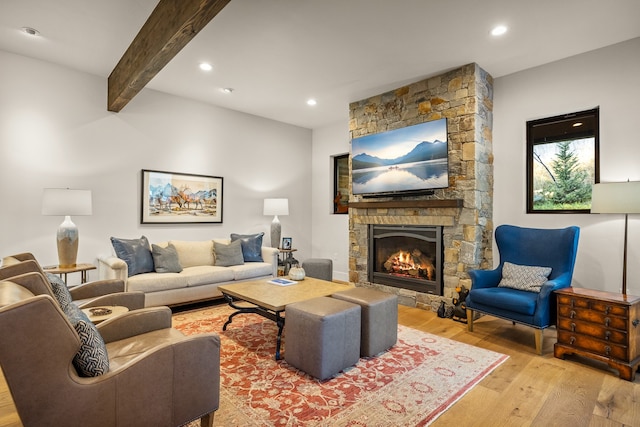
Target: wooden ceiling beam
(171,25)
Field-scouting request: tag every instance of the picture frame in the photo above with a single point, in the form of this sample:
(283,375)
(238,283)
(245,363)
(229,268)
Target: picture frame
(563,162)
(180,198)
(287,243)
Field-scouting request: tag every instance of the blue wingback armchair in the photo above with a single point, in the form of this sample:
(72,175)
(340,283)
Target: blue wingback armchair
(555,248)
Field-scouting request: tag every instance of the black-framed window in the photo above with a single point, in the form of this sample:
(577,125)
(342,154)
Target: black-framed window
(341,184)
(563,162)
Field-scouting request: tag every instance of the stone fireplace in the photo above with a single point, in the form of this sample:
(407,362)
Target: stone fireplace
(462,212)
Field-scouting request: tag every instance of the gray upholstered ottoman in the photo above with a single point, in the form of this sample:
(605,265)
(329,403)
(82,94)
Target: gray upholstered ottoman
(379,318)
(322,336)
(318,268)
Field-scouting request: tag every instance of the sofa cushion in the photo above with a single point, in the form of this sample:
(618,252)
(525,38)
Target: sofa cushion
(60,290)
(251,270)
(206,275)
(154,282)
(251,246)
(166,259)
(194,253)
(136,253)
(227,255)
(92,359)
(523,277)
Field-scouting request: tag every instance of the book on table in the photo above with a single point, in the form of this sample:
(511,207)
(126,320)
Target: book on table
(282,282)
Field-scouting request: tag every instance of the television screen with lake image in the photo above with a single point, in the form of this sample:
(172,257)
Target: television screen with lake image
(409,159)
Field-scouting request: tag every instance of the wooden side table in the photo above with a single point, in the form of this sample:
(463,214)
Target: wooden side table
(287,260)
(102,313)
(600,325)
(63,271)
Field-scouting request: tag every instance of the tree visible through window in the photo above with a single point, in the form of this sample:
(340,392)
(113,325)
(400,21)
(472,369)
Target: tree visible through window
(562,162)
(341,184)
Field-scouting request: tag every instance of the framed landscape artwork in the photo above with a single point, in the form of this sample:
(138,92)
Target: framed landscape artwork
(174,198)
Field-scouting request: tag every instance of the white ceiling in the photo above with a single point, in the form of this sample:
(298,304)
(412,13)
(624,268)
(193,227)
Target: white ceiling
(278,53)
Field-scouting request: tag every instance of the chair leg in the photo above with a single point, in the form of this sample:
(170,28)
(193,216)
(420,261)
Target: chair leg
(469,320)
(207,420)
(538,333)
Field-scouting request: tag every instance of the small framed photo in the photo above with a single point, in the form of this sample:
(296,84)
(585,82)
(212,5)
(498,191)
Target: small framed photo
(286,243)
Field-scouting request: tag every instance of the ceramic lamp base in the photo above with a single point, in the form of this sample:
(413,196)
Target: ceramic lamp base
(67,239)
(276,230)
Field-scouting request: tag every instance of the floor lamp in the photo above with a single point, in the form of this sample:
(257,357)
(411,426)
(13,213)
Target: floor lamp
(66,202)
(276,207)
(620,198)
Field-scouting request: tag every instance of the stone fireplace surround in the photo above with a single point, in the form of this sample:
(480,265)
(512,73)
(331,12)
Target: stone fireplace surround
(465,97)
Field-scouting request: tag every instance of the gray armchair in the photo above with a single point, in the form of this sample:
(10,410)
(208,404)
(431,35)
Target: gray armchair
(92,294)
(156,377)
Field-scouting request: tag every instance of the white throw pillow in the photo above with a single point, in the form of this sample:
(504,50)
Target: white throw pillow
(193,254)
(523,277)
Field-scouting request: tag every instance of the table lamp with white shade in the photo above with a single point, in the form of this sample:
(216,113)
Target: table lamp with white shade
(618,198)
(66,202)
(276,207)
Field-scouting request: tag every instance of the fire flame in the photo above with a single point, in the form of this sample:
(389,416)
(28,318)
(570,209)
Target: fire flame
(410,264)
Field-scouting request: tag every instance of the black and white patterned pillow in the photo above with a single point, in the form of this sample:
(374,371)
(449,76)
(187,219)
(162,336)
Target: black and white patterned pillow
(92,359)
(523,277)
(60,291)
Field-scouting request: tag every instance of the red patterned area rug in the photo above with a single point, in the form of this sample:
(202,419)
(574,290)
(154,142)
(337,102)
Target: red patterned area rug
(409,385)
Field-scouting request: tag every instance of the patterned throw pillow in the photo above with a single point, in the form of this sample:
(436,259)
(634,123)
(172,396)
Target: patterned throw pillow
(228,255)
(60,291)
(92,359)
(251,246)
(166,259)
(136,253)
(523,277)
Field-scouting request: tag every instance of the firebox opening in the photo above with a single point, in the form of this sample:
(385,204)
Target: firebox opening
(407,257)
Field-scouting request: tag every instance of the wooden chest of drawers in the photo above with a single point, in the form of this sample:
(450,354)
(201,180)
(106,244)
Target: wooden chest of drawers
(600,325)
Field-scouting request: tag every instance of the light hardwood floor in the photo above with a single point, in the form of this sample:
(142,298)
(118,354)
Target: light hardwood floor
(526,390)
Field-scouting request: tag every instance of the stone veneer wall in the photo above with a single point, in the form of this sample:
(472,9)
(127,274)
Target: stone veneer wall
(465,97)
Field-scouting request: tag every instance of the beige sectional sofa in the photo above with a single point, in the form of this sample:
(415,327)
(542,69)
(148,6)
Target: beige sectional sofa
(199,278)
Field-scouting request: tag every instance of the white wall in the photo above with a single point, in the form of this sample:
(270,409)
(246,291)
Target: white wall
(607,78)
(330,232)
(55,131)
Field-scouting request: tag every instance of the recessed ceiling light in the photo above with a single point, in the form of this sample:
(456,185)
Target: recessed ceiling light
(498,30)
(205,66)
(311,101)
(227,89)
(30,31)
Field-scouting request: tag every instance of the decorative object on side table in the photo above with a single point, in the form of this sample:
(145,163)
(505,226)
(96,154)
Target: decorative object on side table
(296,272)
(287,243)
(66,202)
(620,198)
(599,325)
(275,207)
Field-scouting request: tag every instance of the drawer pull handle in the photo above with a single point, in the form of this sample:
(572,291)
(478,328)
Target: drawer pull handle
(607,321)
(607,335)
(573,302)
(573,327)
(572,314)
(607,350)
(607,309)
(572,340)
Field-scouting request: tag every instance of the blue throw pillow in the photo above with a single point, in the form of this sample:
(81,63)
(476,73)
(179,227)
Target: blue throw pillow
(251,246)
(136,253)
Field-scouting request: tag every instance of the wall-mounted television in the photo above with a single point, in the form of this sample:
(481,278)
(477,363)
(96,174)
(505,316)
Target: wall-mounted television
(412,159)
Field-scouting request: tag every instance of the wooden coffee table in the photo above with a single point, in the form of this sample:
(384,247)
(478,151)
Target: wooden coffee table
(269,300)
